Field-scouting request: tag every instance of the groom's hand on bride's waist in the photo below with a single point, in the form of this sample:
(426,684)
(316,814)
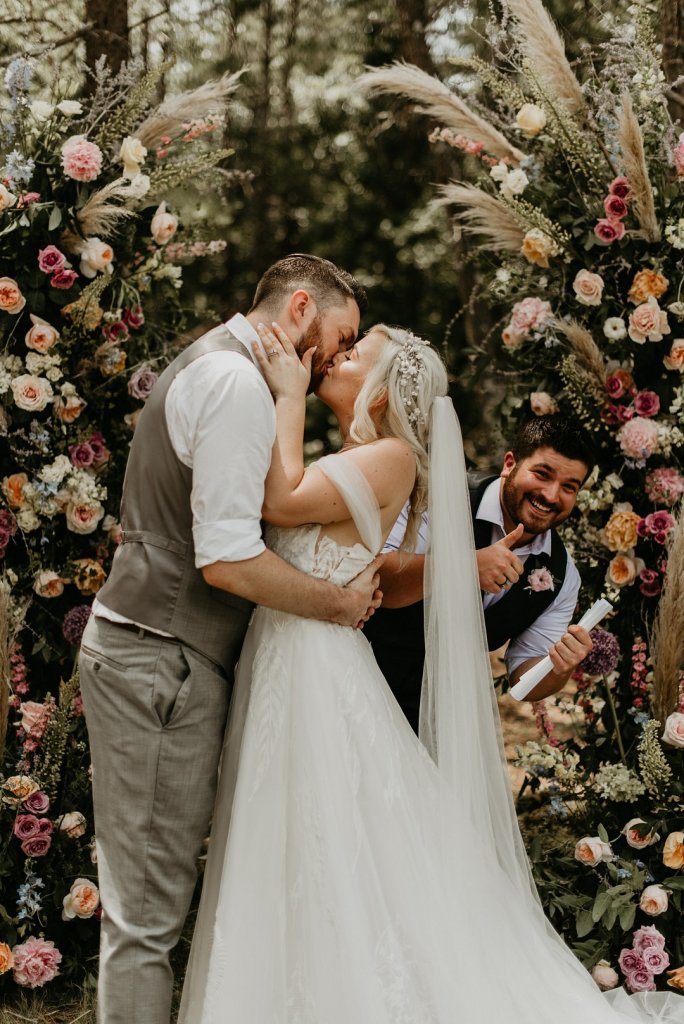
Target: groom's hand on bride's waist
(363,594)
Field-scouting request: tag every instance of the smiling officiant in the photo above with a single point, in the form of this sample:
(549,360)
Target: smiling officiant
(528,579)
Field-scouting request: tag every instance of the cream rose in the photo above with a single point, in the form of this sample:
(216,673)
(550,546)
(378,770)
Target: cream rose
(164,225)
(42,336)
(82,900)
(73,824)
(673,851)
(634,839)
(132,154)
(70,108)
(18,788)
(624,569)
(604,976)
(591,850)
(96,257)
(530,119)
(83,517)
(537,247)
(7,198)
(31,393)
(11,299)
(673,733)
(588,288)
(542,403)
(48,583)
(654,900)
(648,322)
(675,358)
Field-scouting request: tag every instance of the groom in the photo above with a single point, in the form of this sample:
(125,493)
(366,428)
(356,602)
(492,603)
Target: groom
(518,550)
(158,654)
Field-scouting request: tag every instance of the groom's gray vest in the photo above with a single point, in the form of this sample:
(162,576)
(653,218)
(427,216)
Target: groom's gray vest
(153,578)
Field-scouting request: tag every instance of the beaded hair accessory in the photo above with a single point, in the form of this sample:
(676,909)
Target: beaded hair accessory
(410,366)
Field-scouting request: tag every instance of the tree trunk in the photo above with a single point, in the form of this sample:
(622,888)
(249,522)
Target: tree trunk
(109,32)
(672,38)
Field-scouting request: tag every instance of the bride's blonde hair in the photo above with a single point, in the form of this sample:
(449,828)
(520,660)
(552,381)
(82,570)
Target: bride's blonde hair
(409,374)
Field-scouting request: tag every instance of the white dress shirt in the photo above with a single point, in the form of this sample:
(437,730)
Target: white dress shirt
(221,422)
(548,628)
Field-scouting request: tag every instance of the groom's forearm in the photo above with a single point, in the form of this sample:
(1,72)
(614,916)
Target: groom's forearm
(272,582)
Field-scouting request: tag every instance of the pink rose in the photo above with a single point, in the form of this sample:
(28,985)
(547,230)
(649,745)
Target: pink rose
(673,732)
(81,160)
(116,331)
(648,937)
(648,322)
(647,403)
(616,208)
(141,383)
(100,452)
(641,981)
(609,230)
(50,259)
(630,960)
(37,803)
(83,518)
(539,580)
(26,826)
(678,156)
(660,522)
(35,962)
(35,717)
(511,338)
(81,455)
(134,317)
(588,288)
(31,393)
(591,850)
(656,960)
(620,187)
(164,225)
(41,336)
(665,485)
(37,846)
(654,900)
(650,583)
(63,279)
(531,314)
(638,438)
(615,386)
(11,299)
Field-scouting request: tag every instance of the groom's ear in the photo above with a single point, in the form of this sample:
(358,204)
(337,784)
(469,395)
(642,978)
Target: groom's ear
(509,464)
(301,307)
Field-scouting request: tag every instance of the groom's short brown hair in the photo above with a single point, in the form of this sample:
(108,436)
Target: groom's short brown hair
(327,284)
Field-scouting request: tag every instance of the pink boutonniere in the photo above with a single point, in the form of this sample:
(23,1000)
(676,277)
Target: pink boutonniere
(540,579)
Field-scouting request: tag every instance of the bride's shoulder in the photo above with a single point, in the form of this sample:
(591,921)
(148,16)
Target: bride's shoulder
(386,463)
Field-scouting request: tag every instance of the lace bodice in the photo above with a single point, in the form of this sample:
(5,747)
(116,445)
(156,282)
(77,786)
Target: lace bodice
(312,552)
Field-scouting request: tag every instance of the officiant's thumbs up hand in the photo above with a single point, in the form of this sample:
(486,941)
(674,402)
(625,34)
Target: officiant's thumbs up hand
(498,567)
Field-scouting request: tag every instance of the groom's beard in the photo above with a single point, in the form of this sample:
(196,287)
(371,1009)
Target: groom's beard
(517,504)
(310,338)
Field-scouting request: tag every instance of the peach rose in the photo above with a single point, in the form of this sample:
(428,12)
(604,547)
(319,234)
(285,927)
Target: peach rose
(164,225)
(620,532)
(648,322)
(512,339)
(6,958)
(530,119)
(72,824)
(11,299)
(673,851)
(31,393)
(83,517)
(96,257)
(82,900)
(588,288)
(624,569)
(676,978)
(89,575)
(654,900)
(7,199)
(591,850)
(604,976)
(675,358)
(68,407)
(18,788)
(132,154)
(537,247)
(636,840)
(48,584)
(542,403)
(673,733)
(42,336)
(13,489)
(647,283)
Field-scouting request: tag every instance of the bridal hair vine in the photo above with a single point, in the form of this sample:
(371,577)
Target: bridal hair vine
(410,366)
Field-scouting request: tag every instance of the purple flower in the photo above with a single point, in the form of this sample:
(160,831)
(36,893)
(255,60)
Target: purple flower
(38,846)
(117,331)
(63,279)
(81,455)
(75,622)
(656,960)
(51,259)
(26,826)
(141,383)
(37,803)
(604,657)
(97,444)
(134,317)
(647,403)
(648,936)
(640,981)
(650,583)
(630,961)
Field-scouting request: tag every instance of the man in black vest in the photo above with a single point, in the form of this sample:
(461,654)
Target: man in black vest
(528,580)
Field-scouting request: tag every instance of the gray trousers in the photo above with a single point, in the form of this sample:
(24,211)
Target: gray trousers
(156,712)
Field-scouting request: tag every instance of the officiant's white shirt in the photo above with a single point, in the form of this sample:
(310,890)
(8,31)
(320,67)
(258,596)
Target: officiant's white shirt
(221,421)
(535,641)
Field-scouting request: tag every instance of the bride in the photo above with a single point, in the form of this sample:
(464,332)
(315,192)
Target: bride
(357,874)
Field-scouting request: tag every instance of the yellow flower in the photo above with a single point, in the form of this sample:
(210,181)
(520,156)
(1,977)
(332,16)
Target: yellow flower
(620,532)
(645,284)
(537,247)
(676,978)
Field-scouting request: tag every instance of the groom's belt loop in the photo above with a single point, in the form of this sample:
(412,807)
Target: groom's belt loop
(155,540)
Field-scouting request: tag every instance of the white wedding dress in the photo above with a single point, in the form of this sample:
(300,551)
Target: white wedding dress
(347,881)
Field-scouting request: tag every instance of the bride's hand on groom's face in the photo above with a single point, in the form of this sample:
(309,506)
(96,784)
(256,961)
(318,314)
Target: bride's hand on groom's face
(285,373)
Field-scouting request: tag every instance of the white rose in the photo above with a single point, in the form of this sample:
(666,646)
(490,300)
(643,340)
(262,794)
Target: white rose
(542,403)
(70,108)
(591,850)
(27,520)
(164,225)
(73,824)
(604,975)
(56,471)
(7,199)
(633,838)
(41,110)
(674,729)
(139,186)
(588,288)
(83,517)
(96,256)
(615,328)
(48,583)
(530,119)
(499,172)
(515,183)
(654,900)
(31,393)
(132,154)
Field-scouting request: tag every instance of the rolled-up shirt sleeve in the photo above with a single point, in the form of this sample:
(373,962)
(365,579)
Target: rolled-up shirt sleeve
(545,631)
(222,423)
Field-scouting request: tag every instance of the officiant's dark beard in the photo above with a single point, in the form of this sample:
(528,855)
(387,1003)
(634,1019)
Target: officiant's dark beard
(515,501)
(311,337)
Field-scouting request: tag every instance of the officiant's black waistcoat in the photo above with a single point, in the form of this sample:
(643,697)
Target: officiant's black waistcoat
(397,636)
